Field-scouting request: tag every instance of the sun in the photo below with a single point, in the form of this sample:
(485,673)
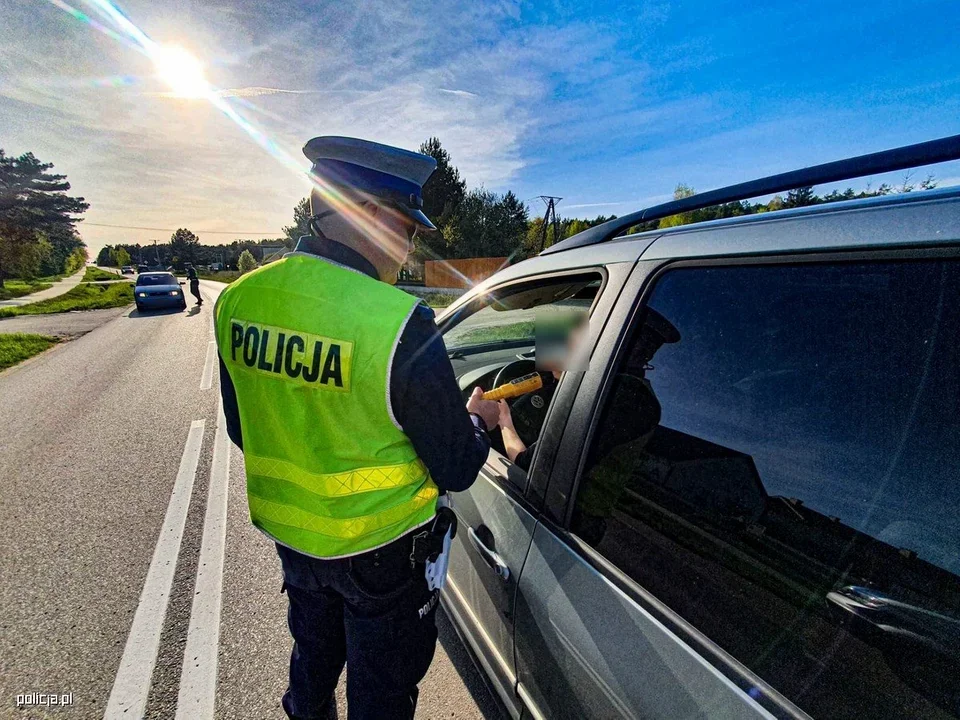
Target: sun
(182,72)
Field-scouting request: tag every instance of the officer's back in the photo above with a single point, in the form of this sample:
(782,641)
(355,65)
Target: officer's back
(338,389)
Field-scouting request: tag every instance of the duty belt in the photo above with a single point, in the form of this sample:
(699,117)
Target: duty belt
(428,544)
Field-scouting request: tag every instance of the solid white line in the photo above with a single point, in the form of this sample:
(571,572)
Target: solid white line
(128,698)
(198,677)
(207,380)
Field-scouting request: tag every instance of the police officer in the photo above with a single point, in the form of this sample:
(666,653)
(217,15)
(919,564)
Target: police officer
(338,389)
(194,284)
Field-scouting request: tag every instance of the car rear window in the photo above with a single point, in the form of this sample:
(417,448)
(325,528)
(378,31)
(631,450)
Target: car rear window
(164,279)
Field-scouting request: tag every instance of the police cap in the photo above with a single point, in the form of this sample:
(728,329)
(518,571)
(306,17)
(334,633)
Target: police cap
(392,175)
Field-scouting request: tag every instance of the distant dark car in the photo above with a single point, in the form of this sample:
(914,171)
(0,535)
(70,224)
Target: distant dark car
(156,290)
(126,270)
(142,268)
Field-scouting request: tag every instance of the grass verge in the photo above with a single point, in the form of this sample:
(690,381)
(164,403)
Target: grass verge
(439,300)
(433,299)
(17,347)
(224,276)
(82,297)
(18,288)
(93,274)
(523,330)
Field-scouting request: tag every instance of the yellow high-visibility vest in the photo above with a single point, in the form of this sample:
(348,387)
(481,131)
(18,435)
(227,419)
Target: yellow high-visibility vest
(308,345)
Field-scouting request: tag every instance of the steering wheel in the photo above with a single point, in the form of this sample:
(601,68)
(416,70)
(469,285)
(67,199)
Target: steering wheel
(528,411)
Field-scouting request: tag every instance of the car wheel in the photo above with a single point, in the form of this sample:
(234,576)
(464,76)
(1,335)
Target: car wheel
(139,307)
(183,305)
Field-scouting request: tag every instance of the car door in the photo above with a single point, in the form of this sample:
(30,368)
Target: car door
(584,647)
(765,536)
(496,515)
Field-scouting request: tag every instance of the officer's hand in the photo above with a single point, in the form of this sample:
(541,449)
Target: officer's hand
(486,409)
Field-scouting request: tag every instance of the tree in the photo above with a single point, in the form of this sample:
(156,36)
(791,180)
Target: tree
(247,262)
(443,194)
(800,197)
(445,190)
(184,245)
(301,223)
(122,257)
(487,225)
(33,201)
(680,192)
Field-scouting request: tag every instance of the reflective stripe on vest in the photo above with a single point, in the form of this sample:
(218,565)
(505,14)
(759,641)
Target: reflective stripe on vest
(308,346)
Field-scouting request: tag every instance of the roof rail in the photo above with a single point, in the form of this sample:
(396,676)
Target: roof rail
(925,153)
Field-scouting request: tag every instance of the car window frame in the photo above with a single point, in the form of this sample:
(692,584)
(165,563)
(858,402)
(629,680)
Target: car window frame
(612,279)
(592,398)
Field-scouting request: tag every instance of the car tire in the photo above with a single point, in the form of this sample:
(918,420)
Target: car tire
(183,305)
(139,307)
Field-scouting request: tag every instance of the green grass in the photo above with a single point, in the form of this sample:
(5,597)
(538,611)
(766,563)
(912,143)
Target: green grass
(94,274)
(224,276)
(17,347)
(481,336)
(434,299)
(82,297)
(439,300)
(18,288)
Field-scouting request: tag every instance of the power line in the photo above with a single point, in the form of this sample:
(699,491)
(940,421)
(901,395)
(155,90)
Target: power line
(272,233)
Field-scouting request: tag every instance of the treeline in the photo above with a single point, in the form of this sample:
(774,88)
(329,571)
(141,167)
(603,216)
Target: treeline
(185,247)
(38,235)
(478,222)
(801,197)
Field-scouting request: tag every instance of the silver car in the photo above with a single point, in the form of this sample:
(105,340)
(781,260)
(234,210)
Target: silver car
(749,504)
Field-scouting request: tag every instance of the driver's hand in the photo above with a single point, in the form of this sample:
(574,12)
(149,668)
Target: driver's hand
(506,419)
(486,409)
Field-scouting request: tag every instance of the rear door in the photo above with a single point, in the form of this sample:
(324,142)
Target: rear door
(759,515)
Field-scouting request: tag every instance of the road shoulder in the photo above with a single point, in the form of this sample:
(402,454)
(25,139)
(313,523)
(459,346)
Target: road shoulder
(67,325)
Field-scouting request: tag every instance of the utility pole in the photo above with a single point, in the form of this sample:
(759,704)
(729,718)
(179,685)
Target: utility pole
(550,216)
(157,250)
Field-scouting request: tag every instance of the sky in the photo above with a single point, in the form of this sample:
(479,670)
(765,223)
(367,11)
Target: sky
(608,105)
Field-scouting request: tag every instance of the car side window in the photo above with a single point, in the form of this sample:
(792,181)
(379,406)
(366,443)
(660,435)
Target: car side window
(777,462)
(494,340)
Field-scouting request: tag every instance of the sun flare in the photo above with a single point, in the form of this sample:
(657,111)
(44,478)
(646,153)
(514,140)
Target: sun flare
(182,71)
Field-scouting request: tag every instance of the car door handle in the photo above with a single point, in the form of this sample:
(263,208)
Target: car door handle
(489,556)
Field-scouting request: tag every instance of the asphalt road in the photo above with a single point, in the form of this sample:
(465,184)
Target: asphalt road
(116,488)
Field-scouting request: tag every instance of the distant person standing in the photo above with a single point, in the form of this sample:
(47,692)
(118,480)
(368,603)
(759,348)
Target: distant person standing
(194,284)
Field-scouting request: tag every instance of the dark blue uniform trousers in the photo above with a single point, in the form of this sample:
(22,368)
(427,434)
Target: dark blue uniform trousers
(372,612)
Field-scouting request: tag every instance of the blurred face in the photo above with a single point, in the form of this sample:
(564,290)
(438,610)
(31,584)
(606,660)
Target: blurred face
(558,341)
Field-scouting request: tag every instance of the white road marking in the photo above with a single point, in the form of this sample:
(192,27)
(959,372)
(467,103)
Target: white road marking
(198,677)
(128,698)
(206,382)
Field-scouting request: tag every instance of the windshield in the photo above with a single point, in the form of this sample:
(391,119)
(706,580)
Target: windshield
(161,279)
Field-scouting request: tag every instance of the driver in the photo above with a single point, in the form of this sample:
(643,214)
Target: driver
(558,340)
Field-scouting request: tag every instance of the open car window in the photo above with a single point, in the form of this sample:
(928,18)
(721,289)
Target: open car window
(505,319)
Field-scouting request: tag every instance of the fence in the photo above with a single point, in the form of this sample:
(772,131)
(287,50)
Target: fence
(463,273)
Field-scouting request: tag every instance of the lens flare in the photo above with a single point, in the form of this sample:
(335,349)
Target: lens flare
(181,71)
(184,73)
